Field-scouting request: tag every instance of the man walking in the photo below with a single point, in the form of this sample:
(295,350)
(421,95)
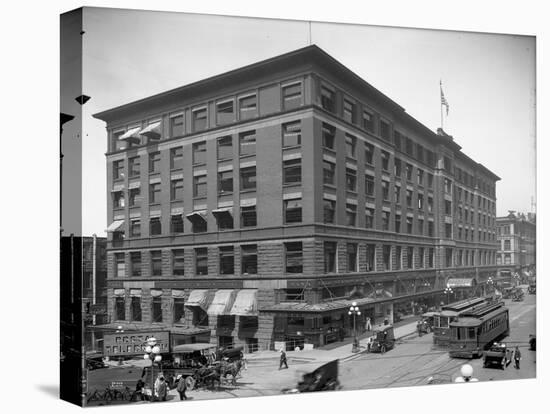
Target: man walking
(368,325)
(283,359)
(181,387)
(517,357)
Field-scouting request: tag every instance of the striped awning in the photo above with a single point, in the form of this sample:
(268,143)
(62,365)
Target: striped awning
(199,298)
(151,130)
(115,226)
(221,304)
(246,303)
(131,133)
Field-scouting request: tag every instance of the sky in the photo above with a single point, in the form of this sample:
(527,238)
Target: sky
(488,81)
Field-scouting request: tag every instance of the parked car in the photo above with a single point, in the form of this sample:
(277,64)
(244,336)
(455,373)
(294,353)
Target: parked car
(384,339)
(497,355)
(94,360)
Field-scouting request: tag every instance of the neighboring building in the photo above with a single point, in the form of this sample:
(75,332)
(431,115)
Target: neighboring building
(257,205)
(516,256)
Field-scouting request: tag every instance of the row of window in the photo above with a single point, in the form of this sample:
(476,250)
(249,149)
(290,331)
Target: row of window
(468,197)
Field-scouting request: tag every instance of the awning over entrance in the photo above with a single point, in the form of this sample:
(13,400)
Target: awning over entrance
(246,303)
(221,304)
(458,283)
(199,298)
(115,226)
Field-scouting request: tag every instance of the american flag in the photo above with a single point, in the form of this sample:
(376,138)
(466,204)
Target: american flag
(443,100)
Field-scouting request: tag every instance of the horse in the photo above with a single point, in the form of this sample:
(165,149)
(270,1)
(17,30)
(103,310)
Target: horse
(230,368)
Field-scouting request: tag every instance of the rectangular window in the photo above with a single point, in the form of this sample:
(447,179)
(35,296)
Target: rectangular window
(386,190)
(421,201)
(176,158)
(385,130)
(225,112)
(176,189)
(118,170)
(409,147)
(118,199)
(225,221)
(292,171)
(154,193)
(135,260)
(199,119)
(430,180)
(409,225)
(176,223)
(398,257)
(134,199)
(178,262)
(385,160)
(179,311)
(351,179)
(156,309)
(386,256)
(397,194)
(448,207)
(199,186)
(421,257)
(248,216)
(351,214)
(349,112)
(225,147)
(176,126)
(248,107)
(135,307)
(448,257)
(397,167)
(155,226)
(227,260)
(247,143)
(352,257)
(120,265)
(292,211)
(397,140)
(430,204)
(154,162)
(408,171)
(134,166)
(199,152)
(398,223)
(430,228)
(410,257)
(329,207)
(292,96)
(368,121)
(419,152)
(507,245)
(369,153)
(225,182)
(249,259)
(409,198)
(156,263)
(448,186)
(431,257)
(120,309)
(329,133)
(292,134)
(369,185)
(293,257)
(351,143)
(447,165)
(201,261)
(330,256)
(420,226)
(369,218)
(135,228)
(370,258)
(329,170)
(385,220)
(420,176)
(248,178)
(328,101)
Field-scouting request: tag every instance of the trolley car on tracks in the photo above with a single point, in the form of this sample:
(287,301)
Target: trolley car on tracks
(477,329)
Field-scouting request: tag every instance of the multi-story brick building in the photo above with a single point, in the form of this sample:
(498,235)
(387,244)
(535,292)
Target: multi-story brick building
(261,202)
(516,235)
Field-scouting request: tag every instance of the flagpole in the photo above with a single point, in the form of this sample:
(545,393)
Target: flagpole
(440,103)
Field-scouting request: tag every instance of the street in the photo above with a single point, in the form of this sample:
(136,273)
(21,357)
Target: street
(413,361)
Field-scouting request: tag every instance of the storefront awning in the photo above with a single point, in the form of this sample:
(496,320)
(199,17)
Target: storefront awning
(458,283)
(246,303)
(131,133)
(221,304)
(199,298)
(115,226)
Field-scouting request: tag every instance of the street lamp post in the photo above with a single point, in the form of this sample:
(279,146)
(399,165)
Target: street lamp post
(152,352)
(448,291)
(354,310)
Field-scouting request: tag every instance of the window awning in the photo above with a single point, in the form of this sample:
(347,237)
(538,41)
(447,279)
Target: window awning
(119,292)
(199,298)
(115,226)
(135,293)
(464,282)
(197,215)
(156,293)
(246,303)
(151,130)
(221,304)
(178,293)
(223,210)
(131,133)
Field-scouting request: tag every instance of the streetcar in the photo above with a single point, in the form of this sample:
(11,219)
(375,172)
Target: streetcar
(477,329)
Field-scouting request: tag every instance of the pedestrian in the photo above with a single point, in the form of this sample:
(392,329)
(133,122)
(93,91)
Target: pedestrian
(368,325)
(162,390)
(139,390)
(369,344)
(517,357)
(181,387)
(283,359)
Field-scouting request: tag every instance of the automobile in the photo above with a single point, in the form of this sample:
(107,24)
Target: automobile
(532,289)
(532,342)
(384,339)
(324,378)
(517,295)
(498,354)
(95,361)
